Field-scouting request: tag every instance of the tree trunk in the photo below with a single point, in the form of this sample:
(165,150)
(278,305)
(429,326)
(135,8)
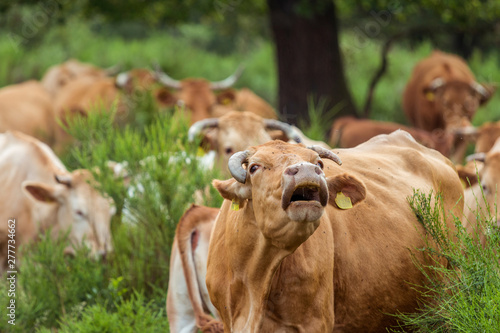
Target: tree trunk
(308,55)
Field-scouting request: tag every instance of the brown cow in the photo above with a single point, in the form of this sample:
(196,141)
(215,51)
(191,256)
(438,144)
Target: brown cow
(27,107)
(232,132)
(442,93)
(59,75)
(481,198)
(348,132)
(199,97)
(304,244)
(84,94)
(39,193)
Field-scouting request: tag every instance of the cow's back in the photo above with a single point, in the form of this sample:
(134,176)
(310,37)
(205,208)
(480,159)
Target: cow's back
(27,107)
(23,158)
(374,270)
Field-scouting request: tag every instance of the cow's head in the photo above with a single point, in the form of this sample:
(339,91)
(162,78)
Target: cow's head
(487,167)
(60,75)
(286,190)
(78,206)
(457,101)
(235,131)
(197,95)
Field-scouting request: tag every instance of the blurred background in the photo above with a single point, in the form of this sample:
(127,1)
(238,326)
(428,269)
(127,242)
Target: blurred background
(291,50)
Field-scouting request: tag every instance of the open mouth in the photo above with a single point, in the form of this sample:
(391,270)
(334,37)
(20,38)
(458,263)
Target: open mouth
(304,194)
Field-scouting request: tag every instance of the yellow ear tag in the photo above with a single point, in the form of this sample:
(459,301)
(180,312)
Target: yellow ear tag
(464,185)
(429,96)
(200,152)
(235,205)
(226,101)
(342,201)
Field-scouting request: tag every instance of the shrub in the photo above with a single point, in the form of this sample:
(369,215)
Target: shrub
(468,300)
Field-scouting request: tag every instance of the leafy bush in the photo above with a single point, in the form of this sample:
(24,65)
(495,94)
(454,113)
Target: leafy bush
(468,300)
(50,284)
(133,315)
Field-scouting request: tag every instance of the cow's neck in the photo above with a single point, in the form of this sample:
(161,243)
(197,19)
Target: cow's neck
(259,260)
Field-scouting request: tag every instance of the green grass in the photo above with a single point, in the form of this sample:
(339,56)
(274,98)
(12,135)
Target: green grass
(467,296)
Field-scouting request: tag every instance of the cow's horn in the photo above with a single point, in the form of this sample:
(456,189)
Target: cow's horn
(436,83)
(480,89)
(166,80)
(289,131)
(199,126)
(235,166)
(325,153)
(477,156)
(228,82)
(63,179)
(113,70)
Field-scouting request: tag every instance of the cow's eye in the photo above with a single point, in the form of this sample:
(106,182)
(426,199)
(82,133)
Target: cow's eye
(320,164)
(80,213)
(485,188)
(229,150)
(254,168)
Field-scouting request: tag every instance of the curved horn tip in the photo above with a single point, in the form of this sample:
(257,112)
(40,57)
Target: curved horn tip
(200,125)
(229,81)
(235,166)
(477,156)
(325,153)
(288,129)
(480,89)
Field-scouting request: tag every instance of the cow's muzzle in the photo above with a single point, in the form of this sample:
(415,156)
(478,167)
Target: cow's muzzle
(305,192)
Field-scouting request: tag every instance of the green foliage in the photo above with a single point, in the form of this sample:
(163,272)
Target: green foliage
(51,284)
(319,119)
(133,315)
(468,299)
(164,174)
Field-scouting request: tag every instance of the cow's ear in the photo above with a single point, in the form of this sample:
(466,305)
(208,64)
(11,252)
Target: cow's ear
(164,97)
(42,192)
(490,89)
(226,97)
(348,189)
(233,190)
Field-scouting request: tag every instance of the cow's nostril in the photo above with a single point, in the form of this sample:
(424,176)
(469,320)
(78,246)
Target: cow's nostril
(291,171)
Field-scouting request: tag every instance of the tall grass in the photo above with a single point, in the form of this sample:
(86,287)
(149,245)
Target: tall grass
(466,298)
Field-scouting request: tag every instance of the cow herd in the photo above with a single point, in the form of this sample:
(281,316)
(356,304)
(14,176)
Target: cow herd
(309,238)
